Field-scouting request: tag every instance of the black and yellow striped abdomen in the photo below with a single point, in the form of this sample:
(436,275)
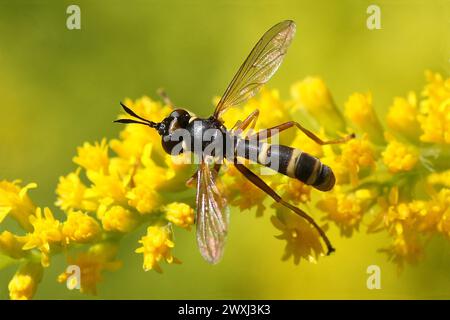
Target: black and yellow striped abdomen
(289,161)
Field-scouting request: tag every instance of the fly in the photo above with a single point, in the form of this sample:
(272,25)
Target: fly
(212,216)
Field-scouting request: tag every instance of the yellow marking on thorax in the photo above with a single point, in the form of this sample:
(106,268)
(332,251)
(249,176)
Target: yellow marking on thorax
(193,118)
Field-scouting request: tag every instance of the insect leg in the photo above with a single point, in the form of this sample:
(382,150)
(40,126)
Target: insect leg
(267,133)
(249,121)
(190,183)
(257,181)
(163,94)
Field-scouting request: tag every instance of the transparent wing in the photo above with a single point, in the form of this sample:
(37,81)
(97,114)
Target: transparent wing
(262,62)
(212,216)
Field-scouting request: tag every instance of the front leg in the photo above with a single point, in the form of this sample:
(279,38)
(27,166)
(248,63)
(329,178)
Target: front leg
(251,119)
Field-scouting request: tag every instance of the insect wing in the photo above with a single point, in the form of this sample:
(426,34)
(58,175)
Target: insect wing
(212,216)
(262,62)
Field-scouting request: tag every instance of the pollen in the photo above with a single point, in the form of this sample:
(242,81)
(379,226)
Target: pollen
(46,231)
(119,219)
(24,283)
(399,157)
(71,193)
(180,214)
(156,246)
(93,157)
(80,227)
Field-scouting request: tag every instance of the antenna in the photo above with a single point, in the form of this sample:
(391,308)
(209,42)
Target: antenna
(131,121)
(133,114)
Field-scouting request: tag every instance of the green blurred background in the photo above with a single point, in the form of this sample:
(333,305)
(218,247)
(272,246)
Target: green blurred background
(59,88)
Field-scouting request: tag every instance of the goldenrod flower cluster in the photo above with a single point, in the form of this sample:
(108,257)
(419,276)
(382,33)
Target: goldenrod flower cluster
(394,175)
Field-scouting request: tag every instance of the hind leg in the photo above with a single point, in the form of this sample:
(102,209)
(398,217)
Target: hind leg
(267,133)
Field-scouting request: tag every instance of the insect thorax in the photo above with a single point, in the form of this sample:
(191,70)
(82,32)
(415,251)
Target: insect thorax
(203,137)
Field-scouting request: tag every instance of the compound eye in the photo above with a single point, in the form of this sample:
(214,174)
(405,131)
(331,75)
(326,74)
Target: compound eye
(168,144)
(179,113)
(174,125)
(180,119)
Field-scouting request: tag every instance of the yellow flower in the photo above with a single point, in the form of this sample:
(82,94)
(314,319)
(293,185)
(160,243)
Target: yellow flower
(134,138)
(441,203)
(178,171)
(405,248)
(440,178)
(15,201)
(156,246)
(403,220)
(237,187)
(425,219)
(24,283)
(359,153)
(144,198)
(434,117)
(150,173)
(400,157)
(302,240)
(117,218)
(294,190)
(444,223)
(11,245)
(346,209)
(400,219)
(147,181)
(304,143)
(108,188)
(359,109)
(46,231)
(81,228)
(357,158)
(180,214)
(234,115)
(93,157)
(72,193)
(394,211)
(436,91)
(337,164)
(99,258)
(273,110)
(149,108)
(402,116)
(436,125)
(400,214)
(313,95)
